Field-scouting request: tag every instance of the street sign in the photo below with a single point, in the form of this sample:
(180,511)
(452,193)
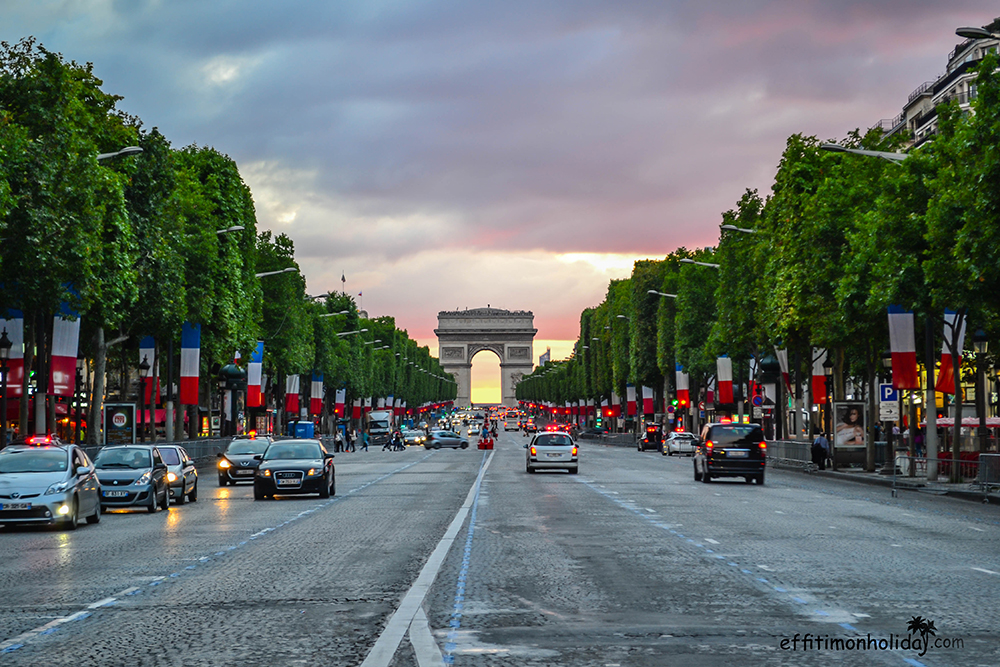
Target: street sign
(701,406)
(757,400)
(888,412)
(758,413)
(670,409)
(887,393)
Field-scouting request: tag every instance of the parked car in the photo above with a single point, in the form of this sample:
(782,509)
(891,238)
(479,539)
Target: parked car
(44,481)
(680,442)
(182,476)
(294,467)
(731,450)
(238,462)
(132,476)
(439,439)
(549,450)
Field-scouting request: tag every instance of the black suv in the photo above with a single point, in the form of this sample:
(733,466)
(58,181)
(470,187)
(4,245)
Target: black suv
(731,450)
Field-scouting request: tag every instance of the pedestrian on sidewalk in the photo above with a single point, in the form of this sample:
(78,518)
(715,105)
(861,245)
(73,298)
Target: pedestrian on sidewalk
(364,441)
(820,451)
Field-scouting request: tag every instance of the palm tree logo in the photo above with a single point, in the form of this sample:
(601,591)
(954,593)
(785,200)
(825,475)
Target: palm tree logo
(923,626)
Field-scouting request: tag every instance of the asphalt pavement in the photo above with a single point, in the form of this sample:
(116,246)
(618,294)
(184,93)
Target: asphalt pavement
(459,556)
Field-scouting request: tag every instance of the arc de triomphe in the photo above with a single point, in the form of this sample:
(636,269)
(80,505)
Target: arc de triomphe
(507,333)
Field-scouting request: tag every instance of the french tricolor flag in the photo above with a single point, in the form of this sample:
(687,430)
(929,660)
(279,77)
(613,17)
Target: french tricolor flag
(316,394)
(903,345)
(190,362)
(782,356)
(368,405)
(147,351)
(292,394)
(630,399)
(338,402)
(818,376)
(724,370)
(255,372)
(65,344)
(647,401)
(381,403)
(683,386)
(14,325)
(946,376)
(356,409)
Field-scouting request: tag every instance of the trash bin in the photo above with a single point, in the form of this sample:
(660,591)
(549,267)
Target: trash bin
(304,429)
(903,460)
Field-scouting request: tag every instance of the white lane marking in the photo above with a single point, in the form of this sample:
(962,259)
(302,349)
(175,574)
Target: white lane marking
(862,615)
(766,568)
(18,641)
(651,511)
(895,545)
(710,540)
(778,512)
(979,569)
(102,603)
(387,643)
(427,651)
(977,529)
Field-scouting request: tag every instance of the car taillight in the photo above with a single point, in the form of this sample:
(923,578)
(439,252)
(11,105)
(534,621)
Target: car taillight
(574,450)
(708,446)
(763,446)
(533,452)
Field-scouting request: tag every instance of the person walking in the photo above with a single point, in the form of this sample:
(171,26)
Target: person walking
(820,450)
(364,441)
(338,442)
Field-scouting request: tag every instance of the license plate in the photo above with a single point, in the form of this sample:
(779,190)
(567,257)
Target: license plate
(737,453)
(244,472)
(116,494)
(555,456)
(15,506)
(288,482)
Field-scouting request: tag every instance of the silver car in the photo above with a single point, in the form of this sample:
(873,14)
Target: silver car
(680,443)
(439,439)
(182,476)
(46,482)
(552,450)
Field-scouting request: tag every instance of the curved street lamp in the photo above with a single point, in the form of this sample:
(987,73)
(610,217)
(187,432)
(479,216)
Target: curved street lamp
(290,269)
(885,155)
(653,291)
(124,152)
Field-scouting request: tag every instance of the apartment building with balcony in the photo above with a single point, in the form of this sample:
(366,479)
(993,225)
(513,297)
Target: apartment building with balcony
(919,116)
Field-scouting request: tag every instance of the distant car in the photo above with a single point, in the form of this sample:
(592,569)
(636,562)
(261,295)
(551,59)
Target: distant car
(414,437)
(294,467)
(549,450)
(44,481)
(182,476)
(731,450)
(237,463)
(531,426)
(680,443)
(593,432)
(510,424)
(133,476)
(439,439)
(652,438)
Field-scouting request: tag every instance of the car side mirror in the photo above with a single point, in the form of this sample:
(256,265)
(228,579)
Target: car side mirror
(259,457)
(328,455)
(160,466)
(219,455)
(525,446)
(82,470)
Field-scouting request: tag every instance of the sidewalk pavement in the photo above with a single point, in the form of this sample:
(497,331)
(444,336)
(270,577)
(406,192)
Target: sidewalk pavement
(964,490)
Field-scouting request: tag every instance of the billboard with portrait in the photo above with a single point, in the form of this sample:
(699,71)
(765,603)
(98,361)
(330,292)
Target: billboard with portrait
(849,424)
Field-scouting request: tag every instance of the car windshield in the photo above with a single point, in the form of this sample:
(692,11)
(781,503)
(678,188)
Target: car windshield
(380,423)
(170,456)
(293,450)
(126,457)
(737,435)
(252,447)
(33,460)
(554,439)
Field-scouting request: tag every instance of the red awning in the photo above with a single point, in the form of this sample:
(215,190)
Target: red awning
(972,422)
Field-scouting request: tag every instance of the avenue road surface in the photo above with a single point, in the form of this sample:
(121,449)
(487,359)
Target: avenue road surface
(628,563)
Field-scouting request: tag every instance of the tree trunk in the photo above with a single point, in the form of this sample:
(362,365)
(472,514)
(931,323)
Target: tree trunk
(94,433)
(872,413)
(29,360)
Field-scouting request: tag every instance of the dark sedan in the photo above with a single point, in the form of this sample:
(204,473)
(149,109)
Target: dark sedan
(237,463)
(731,450)
(294,467)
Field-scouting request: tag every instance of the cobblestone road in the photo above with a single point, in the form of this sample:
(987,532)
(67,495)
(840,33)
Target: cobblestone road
(628,563)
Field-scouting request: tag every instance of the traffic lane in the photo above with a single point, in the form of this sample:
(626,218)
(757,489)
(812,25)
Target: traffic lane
(840,552)
(317,589)
(47,574)
(556,573)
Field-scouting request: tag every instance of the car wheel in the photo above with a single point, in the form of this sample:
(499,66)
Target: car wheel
(333,486)
(670,452)
(748,479)
(153,501)
(96,516)
(193,495)
(437,445)
(324,491)
(573,471)
(222,480)
(697,475)
(760,478)
(180,497)
(166,497)
(705,477)
(465,445)
(72,520)
(258,493)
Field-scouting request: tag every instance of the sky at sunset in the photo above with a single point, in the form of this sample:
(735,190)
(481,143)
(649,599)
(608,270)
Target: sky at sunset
(445,155)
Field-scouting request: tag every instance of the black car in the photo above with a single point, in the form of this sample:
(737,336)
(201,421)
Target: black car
(652,438)
(731,450)
(132,476)
(238,462)
(294,467)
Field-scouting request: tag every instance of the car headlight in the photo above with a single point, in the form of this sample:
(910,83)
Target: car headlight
(225,464)
(315,472)
(146,476)
(264,472)
(171,477)
(58,487)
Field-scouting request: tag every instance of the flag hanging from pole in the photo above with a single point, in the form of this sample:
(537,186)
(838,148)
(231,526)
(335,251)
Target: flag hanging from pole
(630,406)
(647,401)
(338,402)
(65,345)
(946,376)
(190,363)
(292,394)
(316,394)
(818,376)
(902,343)
(782,356)
(683,386)
(724,370)
(255,372)
(14,325)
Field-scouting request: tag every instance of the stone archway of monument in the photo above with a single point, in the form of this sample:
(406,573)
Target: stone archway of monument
(496,371)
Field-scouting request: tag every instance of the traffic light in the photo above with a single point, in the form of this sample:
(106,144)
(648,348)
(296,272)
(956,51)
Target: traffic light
(674,402)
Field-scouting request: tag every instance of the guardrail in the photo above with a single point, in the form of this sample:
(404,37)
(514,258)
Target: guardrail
(982,474)
(613,439)
(196,449)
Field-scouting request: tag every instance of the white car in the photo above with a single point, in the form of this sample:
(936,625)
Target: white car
(679,442)
(552,450)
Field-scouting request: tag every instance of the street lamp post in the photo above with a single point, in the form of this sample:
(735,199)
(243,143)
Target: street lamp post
(290,269)
(79,399)
(124,152)
(981,344)
(5,345)
(143,372)
(828,422)
(664,294)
